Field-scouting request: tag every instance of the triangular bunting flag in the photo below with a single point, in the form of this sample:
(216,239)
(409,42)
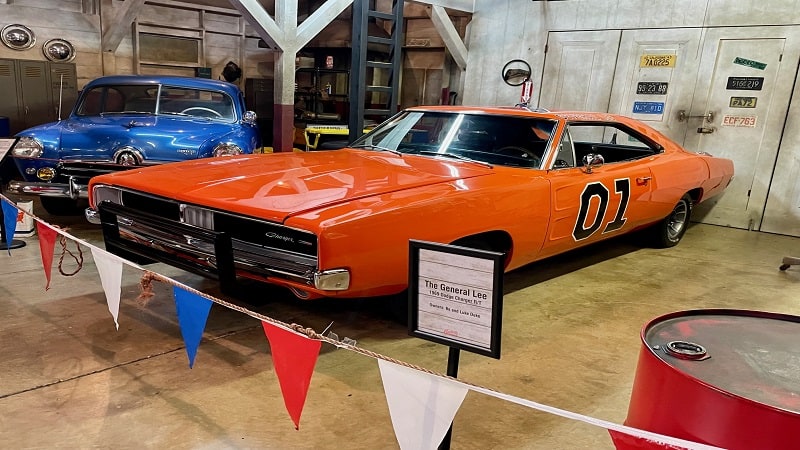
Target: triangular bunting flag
(294,357)
(193,312)
(422,406)
(110,269)
(9,221)
(624,441)
(47,241)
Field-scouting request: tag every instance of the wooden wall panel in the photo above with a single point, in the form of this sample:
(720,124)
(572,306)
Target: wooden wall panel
(185,18)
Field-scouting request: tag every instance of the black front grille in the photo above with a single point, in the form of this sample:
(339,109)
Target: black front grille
(166,209)
(151,227)
(265,234)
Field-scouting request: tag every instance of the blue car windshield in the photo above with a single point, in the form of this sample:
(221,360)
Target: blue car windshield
(492,139)
(149,99)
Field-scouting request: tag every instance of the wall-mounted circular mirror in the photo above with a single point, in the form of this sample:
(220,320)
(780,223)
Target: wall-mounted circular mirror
(58,50)
(17,37)
(516,72)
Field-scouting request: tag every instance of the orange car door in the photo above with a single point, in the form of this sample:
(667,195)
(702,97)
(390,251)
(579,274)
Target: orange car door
(588,206)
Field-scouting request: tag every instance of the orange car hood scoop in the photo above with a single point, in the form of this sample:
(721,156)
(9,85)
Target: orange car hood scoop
(279,185)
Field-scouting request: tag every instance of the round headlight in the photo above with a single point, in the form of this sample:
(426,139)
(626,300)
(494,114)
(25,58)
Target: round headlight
(224,149)
(28,147)
(46,173)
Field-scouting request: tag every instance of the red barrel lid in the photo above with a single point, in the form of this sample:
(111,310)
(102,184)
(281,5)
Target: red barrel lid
(751,354)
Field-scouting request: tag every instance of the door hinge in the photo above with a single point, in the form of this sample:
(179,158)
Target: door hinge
(749,191)
(545,48)
(780,57)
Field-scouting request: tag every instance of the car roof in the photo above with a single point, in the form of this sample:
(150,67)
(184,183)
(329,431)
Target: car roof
(520,111)
(189,82)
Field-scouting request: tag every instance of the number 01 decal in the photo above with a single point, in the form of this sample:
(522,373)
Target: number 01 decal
(599,190)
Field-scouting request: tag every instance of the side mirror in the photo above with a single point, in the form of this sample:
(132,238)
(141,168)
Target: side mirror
(516,72)
(593,160)
(249,117)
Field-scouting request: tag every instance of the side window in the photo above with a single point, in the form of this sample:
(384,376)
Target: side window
(565,156)
(614,142)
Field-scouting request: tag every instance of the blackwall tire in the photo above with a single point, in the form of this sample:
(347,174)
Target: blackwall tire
(670,231)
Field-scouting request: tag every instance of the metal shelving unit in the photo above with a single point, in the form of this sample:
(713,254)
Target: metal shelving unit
(374,85)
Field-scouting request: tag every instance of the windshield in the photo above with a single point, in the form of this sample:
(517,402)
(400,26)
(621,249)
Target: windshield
(492,139)
(154,99)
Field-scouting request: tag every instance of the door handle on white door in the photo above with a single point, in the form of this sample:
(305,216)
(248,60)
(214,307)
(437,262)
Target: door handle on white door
(706,130)
(682,116)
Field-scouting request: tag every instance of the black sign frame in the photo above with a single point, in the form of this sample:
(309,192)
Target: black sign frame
(493,349)
(660,87)
(745,83)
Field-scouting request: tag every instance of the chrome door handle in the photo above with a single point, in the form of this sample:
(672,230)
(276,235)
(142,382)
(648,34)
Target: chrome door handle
(682,116)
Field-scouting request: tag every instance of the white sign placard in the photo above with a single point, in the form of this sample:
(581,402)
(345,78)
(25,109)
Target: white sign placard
(6,144)
(457,297)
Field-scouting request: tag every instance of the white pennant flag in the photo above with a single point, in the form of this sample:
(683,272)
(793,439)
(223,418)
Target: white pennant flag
(422,406)
(110,269)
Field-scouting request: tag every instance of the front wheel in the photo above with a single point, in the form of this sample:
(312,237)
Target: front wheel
(670,231)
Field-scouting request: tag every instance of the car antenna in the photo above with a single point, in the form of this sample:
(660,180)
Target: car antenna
(60,95)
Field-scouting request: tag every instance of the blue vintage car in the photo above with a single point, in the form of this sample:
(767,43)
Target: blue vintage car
(124,121)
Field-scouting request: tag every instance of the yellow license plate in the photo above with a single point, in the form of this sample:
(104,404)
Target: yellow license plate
(658,60)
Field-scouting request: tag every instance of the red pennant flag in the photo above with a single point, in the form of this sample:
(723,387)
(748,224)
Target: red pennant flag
(294,357)
(624,441)
(47,241)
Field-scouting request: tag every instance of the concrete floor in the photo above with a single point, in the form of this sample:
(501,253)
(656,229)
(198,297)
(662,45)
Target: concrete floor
(571,329)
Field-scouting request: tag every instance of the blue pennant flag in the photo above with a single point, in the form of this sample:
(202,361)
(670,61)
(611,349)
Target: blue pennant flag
(192,315)
(9,222)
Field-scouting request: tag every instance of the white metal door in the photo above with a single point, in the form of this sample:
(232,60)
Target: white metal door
(579,70)
(782,214)
(655,77)
(742,93)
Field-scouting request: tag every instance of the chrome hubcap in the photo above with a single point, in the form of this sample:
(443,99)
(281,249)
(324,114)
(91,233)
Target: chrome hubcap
(127,159)
(677,220)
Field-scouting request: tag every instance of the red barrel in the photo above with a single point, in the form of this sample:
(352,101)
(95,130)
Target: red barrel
(728,378)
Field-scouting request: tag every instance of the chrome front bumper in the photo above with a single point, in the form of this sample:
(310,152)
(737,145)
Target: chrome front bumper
(92,216)
(72,189)
(207,252)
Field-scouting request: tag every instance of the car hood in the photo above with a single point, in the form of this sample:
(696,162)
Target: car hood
(277,186)
(35,131)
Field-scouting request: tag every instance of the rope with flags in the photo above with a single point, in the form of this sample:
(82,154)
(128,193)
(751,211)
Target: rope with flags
(410,389)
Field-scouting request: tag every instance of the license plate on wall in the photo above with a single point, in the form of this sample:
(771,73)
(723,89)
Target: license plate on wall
(648,107)
(652,87)
(745,83)
(743,102)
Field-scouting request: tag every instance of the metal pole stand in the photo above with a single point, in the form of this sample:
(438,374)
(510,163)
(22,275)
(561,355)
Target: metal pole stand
(452,371)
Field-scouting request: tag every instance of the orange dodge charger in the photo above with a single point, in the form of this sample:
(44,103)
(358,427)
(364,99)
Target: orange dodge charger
(529,184)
